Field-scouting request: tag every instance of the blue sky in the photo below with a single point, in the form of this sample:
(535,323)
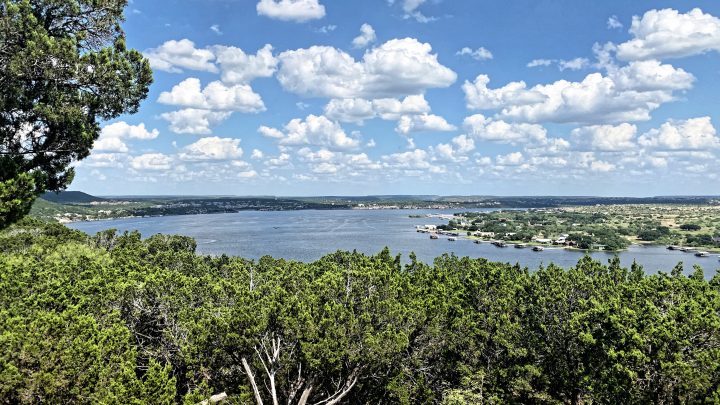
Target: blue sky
(331,97)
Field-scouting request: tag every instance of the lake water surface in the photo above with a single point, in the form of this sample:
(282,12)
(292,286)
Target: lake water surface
(309,234)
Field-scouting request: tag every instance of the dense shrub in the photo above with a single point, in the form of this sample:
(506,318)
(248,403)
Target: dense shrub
(118,319)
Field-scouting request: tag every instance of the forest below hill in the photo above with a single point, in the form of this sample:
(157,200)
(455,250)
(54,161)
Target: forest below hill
(116,319)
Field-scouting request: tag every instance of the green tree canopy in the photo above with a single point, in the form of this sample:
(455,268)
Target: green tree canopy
(118,319)
(63,67)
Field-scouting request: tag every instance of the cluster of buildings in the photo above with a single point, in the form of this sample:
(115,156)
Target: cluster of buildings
(434,230)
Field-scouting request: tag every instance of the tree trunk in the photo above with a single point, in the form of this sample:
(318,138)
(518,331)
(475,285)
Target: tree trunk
(249,373)
(273,391)
(305,395)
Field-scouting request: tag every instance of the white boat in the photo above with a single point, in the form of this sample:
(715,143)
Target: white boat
(452,239)
(702,254)
(433,236)
(538,248)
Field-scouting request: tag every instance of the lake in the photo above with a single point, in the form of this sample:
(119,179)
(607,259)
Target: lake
(309,234)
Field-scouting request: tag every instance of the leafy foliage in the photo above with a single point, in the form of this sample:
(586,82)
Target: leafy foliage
(63,66)
(117,319)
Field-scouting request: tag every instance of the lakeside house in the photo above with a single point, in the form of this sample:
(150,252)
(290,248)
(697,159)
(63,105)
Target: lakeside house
(426,228)
(485,234)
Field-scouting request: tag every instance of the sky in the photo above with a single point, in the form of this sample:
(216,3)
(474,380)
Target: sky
(445,97)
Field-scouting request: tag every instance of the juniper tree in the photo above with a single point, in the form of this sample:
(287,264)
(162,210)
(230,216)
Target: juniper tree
(64,66)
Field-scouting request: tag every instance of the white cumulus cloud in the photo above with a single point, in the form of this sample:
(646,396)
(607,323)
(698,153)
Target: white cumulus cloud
(357,109)
(625,94)
(270,132)
(151,161)
(692,134)
(173,56)
(212,148)
(487,129)
(238,67)
(367,36)
(291,10)
(109,144)
(456,151)
(423,122)
(601,166)
(667,33)
(112,136)
(215,96)
(540,62)
(122,129)
(573,64)
(607,137)
(510,159)
(313,130)
(105,160)
(614,23)
(562,64)
(477,54)
(415,159)
(396,68)
(410,7)
(194,121)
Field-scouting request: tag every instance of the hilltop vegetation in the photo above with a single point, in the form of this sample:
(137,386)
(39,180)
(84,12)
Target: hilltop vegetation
(118,319)
(70,197)
(71,210)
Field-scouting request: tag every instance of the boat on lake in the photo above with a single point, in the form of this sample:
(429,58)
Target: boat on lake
(433,236)
(520,246)
(499,243)
(702,254)
(538,248)
(478,241)
(452,239)
(673,247)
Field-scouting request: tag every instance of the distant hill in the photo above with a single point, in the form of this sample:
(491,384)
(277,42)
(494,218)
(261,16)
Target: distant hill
(70,197)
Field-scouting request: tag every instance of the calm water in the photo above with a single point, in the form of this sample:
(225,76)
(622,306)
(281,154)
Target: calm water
(308,235)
